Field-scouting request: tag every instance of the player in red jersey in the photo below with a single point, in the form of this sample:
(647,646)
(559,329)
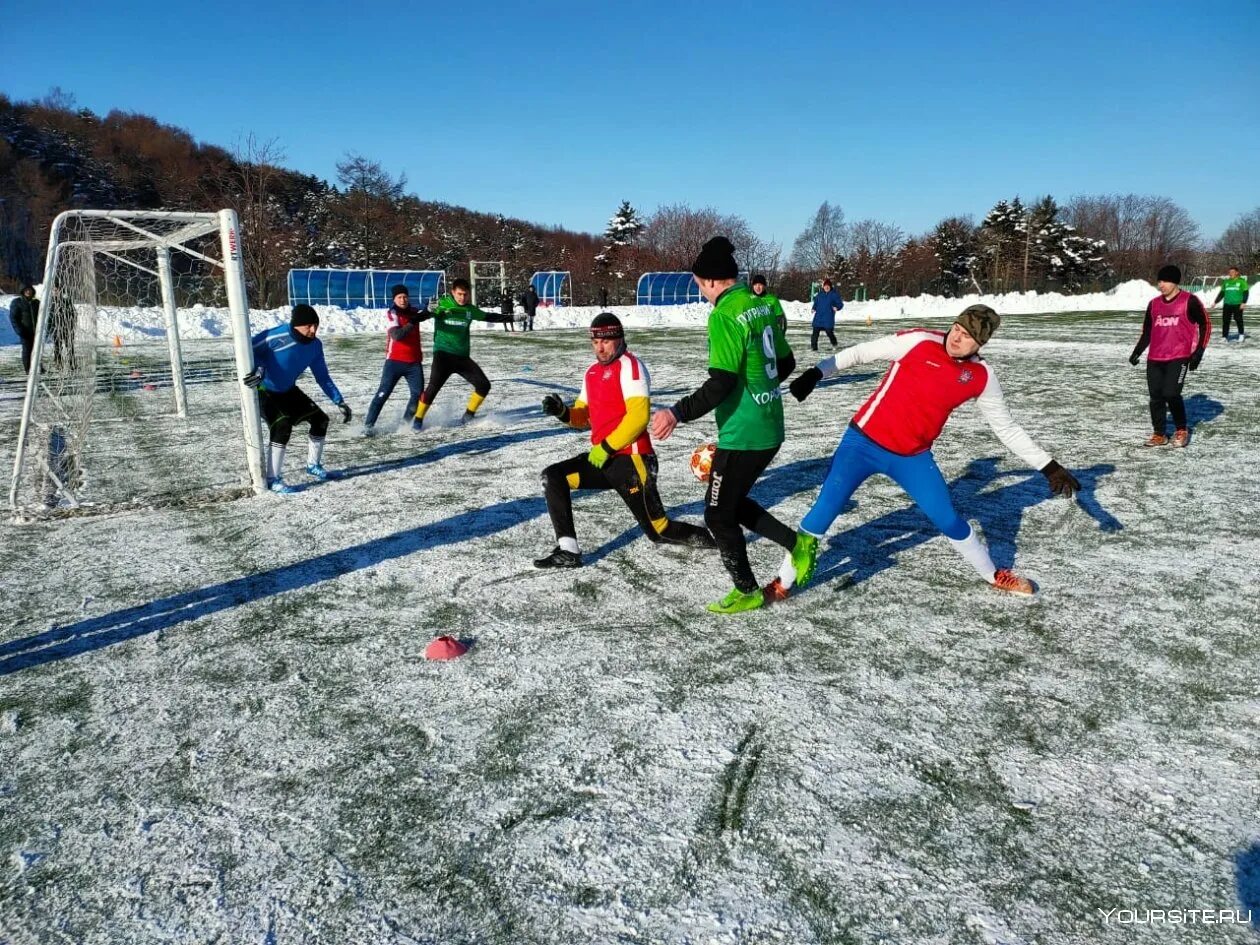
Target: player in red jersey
(932,374)
(614,405)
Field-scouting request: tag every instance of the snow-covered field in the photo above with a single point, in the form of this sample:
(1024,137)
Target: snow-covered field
(216,724)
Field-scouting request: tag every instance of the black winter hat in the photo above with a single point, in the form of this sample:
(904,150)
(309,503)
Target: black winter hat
(758,279)
(607,325)
(399,290)
(303,314)
(716,260)
(1169,273)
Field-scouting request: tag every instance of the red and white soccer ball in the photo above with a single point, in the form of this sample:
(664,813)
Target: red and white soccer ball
(702,461)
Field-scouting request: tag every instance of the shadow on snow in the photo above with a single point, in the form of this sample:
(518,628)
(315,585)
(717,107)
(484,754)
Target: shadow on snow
(861,551)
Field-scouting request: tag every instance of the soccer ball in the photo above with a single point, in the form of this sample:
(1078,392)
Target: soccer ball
(702,461)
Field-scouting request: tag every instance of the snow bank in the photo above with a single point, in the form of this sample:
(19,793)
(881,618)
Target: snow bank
(7,335)
(141,324)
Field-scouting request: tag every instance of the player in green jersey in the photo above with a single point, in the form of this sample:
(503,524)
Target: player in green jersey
(452,315)
(748,357)
(1234,291)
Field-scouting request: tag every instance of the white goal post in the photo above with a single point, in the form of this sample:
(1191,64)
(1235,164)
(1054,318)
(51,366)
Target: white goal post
(116,273)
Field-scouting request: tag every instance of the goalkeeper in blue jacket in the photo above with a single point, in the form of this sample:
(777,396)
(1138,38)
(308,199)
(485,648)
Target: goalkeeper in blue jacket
(281,355)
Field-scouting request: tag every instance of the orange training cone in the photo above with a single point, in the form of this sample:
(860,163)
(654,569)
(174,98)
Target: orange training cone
(445,648)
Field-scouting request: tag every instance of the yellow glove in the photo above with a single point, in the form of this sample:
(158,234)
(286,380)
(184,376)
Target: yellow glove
(599,455)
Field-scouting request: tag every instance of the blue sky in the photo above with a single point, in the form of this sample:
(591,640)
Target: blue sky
(902,110)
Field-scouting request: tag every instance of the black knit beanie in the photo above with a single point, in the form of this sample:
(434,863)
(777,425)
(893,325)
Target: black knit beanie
(758,279)
(716,260)
(399,290)
(303,314)
(1169,273)
(607,325)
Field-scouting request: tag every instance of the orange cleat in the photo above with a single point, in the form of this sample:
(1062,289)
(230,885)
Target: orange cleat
(1157,439)
(1007,580)
(775,592)
(1181,438)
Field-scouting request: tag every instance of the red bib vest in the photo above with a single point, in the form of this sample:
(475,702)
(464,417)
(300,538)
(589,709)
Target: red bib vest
(1173,335)
(408,350)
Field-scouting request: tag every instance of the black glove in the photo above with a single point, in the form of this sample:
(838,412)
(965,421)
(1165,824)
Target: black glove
(1134,358)
(1195,360)
(1061,481)
(345,411)
(254,377)
(805,383)
(553,406)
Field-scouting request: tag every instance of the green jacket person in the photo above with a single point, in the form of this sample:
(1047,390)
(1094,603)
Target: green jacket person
(748,357)
(452,316)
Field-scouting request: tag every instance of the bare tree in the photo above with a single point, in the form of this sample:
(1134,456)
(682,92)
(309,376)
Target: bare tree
(368,210)
(1142,232)
(250,183)
(820,242)
(763,256)
(675,234)
(58,99)
(1240,243)
(874,247)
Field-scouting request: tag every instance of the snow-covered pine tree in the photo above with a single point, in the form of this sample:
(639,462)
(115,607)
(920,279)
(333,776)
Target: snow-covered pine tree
(955,245)
(624,226)
(622,231)
(1002,236)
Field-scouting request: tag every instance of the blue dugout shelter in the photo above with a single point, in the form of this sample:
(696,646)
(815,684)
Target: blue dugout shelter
(670,288)
(363,288)
(553,287)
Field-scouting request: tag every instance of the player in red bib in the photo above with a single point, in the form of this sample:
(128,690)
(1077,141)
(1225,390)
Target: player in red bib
(614,404)
(1176,331)
(932,374)
(404,356)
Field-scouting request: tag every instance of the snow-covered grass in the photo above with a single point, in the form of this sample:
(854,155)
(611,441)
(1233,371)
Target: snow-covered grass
(216,723)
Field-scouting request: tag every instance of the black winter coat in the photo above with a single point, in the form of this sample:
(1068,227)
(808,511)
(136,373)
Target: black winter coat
(24,314)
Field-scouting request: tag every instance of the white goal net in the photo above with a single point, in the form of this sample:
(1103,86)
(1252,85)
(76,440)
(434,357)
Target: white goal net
(119,408)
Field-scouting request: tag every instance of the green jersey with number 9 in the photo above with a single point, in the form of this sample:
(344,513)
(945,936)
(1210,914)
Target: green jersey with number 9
(746,338)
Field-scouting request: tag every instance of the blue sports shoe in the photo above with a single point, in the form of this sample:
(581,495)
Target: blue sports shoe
(318,471)
(280,487)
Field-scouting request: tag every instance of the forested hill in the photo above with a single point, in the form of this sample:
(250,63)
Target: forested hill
(54,158)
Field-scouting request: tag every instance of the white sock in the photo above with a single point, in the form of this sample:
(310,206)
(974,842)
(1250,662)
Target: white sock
(276,470)
(787,573)
(975,554)
(314,452)
(568,544)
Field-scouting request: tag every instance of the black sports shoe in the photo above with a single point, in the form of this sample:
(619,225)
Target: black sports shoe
(559,558)
(469,415)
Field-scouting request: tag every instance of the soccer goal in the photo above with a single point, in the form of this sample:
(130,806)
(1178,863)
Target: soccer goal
(134,395)
(488,281)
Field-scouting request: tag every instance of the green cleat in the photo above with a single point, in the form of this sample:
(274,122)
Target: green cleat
(737,602)
(804,558)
